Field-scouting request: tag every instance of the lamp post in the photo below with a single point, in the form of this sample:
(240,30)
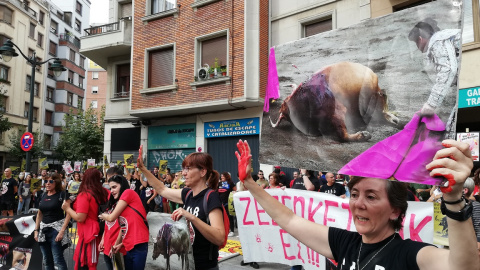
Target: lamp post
(7,51)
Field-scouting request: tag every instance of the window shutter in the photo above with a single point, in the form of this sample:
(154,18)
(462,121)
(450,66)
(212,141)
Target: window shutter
(318,27)
(160,69)
(214,48)
(126,10)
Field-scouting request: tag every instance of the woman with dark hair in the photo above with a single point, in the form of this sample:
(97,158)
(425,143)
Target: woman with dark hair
(273,181)
(226,186)
(127,209)
(51,224)
(24,195)
(85,212)
(199,178)
(378,208)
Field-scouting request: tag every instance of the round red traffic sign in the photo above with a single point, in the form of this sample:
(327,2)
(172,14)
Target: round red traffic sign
(26,141)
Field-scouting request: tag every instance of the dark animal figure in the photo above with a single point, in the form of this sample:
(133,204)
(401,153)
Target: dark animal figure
(337,99)
(444,225)
(172,239)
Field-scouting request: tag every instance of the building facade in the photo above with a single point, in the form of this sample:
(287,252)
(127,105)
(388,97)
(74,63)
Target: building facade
(96,93)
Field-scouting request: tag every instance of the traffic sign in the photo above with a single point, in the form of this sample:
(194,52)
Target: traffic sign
(26,141)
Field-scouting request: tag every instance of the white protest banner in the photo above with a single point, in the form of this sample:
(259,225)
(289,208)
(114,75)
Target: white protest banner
(471,138)
(264,241)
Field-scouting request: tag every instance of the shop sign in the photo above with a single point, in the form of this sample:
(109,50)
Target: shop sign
(171,137)
(469,97)
(238,127)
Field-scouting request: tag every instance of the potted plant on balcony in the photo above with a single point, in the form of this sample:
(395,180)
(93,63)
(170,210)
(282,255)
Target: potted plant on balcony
(211,72)
(223,69)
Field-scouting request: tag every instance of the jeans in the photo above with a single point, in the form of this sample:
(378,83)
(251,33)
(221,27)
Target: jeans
(108,262)
(25,202)
(52,251)
(296,267)
(136,257)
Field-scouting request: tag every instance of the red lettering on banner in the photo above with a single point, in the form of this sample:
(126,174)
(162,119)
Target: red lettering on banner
(301,200)
(284,198)
(273,221)
(299,255)
(414,232)
(246,211)
(285,245)
(325,216)
(258,215)
(6,238)
(312,213)
(349,222)
(313,257)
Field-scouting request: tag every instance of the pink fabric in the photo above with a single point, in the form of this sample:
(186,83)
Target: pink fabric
(273,87)
(402,156)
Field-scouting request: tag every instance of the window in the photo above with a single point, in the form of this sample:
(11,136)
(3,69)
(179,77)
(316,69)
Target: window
(48,118)
(41,17)
(94,104)
(80,103)
(409,4)
(126,10)
(30,53)
(78,25)
(160,67)
(52,49)
(36,89)
(80,81)
(27,85)
(3,38)
(78,8)
(471,27)
(50,72)
(3,104)
(47,141)
(313,28)
(6,15)
(94,89)
(95,75)
(161,5)
(49,96)
(82,61)
(35,112)
(70,99)
(213,50)
(72,55)
(54,27)
(70,76)
(25,110)
(32,30)
(40,40)
(123,80)
(38,68)
(4,73)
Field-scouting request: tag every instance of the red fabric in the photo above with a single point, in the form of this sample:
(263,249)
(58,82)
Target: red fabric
(291,183)
(475,191)
(87,231)
(131,223)
(110,235)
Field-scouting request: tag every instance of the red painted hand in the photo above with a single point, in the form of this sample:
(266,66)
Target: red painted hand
(244,160)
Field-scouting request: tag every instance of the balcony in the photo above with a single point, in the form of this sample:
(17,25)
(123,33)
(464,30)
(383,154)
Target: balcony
(104,41)
(70,39)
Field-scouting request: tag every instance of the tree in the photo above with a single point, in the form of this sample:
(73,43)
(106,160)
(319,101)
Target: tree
(82,136)
(5,125)
(16,151)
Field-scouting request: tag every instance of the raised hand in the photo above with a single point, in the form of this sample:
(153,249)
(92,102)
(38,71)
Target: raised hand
(140,157)
(244,160)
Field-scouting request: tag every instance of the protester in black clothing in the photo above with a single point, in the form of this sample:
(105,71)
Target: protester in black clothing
(9,189)
(332,187)
(306,181)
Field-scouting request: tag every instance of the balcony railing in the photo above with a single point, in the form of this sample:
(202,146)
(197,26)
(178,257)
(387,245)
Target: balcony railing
(121,94)
(29,10)
(102,29)
(70,38)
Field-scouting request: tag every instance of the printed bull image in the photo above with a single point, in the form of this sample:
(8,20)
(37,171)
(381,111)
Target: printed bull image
(169,240)
(338,100)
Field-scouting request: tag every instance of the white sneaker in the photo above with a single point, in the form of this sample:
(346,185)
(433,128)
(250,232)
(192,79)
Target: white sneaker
(231,234)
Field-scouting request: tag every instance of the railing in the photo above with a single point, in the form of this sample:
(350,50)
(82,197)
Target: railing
(29,10)
(121,94)
(102,29)
(70,38)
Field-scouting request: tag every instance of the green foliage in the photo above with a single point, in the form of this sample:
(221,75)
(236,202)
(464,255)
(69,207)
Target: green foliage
(82,136)
(16,151)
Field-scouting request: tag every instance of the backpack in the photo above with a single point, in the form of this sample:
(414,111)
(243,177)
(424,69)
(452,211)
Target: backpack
(226,221)
(101,208)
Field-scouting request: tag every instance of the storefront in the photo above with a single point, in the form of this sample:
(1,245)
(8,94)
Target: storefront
(171,143)
(222,138)
(468,122)
(124,141)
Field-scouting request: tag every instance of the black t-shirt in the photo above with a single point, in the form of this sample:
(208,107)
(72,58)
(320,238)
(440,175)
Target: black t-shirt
(299,184)
(201,246)
(148,192)
(336,189)
(397,255)
(135,185)
(224,189)
(51,207)
(8,194)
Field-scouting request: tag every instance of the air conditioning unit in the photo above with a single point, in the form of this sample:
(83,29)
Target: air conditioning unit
(202,73)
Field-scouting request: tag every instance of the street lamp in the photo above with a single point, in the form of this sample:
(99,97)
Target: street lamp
(7,52)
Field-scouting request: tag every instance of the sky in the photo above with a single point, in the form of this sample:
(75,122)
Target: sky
(99,11)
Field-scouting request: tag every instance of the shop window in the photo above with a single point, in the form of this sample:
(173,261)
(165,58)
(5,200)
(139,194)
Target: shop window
(160,67)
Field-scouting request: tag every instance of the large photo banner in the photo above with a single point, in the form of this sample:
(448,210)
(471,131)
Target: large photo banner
(267,242)
(383,90)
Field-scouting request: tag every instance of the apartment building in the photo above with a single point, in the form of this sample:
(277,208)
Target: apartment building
(194,65)
(96,93)
(26,24)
